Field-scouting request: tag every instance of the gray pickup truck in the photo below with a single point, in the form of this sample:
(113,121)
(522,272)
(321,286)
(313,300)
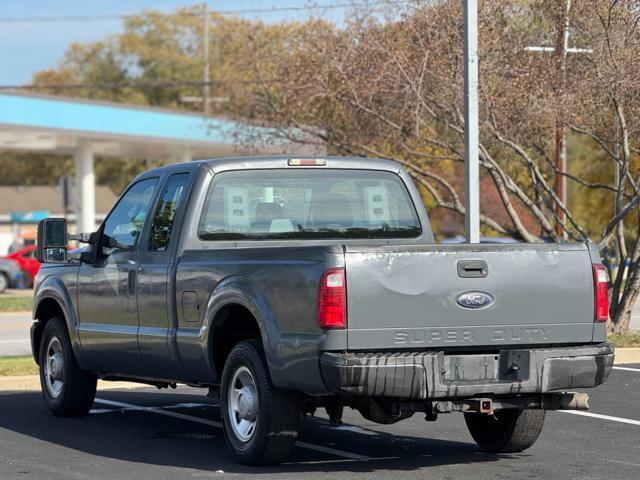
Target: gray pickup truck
(285,284)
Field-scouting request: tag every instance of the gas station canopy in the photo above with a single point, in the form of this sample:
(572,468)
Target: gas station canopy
(55,124)
(84,128)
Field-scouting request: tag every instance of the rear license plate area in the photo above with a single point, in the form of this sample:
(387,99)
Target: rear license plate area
(505,366)
(514,365)
(470,368)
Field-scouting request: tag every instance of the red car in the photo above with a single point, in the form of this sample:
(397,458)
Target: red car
(28,263)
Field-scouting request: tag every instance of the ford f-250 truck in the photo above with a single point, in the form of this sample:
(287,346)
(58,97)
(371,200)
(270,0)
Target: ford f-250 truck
(290,284)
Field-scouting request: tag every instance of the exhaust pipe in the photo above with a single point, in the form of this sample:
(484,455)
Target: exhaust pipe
(565,401)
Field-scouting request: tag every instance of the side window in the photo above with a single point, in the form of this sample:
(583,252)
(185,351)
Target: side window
(126,220)
(165,212)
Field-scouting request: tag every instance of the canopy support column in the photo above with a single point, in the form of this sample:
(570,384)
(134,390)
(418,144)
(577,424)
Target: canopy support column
(86,187)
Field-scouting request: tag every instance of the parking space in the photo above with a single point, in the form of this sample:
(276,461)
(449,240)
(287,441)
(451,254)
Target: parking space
(144,433)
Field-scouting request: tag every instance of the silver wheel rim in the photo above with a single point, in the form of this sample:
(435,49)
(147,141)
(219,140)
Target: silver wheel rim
(242,404)
(54,367)
(3,283)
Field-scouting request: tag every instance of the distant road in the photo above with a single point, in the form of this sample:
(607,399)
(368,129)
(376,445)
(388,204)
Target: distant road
(14,333)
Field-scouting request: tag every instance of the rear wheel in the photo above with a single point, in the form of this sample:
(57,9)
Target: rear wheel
(506,431)
(67,390)
(260,422)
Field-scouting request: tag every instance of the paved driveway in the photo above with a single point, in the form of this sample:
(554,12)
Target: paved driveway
(145,434)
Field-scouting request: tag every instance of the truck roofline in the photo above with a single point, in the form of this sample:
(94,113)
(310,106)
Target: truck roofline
(281,161)
(223,164)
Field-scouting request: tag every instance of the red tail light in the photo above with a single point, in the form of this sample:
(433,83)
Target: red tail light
(601,288)
(332,299)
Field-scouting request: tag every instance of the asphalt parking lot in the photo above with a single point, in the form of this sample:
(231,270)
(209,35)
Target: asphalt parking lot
(144,434)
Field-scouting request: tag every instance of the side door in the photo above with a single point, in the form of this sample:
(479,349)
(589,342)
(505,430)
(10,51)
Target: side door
(107,304)
(156,303)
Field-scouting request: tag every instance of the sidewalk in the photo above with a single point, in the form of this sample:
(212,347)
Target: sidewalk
(32,382)
(627,355)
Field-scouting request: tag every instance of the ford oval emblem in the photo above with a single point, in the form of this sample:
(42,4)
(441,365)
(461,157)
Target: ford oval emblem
(474,300)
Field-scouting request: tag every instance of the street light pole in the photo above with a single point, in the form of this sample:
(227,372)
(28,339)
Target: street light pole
(471,136)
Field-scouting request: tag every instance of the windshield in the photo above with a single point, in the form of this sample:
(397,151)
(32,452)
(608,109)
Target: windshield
(308,203)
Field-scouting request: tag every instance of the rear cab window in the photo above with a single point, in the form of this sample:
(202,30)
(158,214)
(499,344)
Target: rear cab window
(308,203)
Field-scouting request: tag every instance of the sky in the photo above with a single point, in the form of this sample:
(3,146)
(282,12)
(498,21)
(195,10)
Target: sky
(26,47)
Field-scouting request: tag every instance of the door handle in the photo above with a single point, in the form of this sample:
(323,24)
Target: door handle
(131,283)
(473,269)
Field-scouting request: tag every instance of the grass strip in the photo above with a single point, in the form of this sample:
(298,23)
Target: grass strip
(625,340)
(15,366)
(15,303)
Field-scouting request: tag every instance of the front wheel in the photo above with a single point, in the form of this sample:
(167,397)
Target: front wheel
(67,390)
(506,431)
(260,422)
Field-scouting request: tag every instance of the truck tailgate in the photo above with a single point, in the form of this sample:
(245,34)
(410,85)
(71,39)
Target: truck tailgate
(402,297)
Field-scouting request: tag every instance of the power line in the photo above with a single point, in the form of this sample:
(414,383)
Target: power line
(114,85)
(246,11)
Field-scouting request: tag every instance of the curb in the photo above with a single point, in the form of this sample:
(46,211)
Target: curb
(627,355)
(32,383)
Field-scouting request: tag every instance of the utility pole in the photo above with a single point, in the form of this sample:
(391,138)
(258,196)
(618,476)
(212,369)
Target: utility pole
(561,50)
(205,99)
(562,40)
(206,92)
(471,136)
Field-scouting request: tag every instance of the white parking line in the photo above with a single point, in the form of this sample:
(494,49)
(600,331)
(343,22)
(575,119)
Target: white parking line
(213,423)
(168,413)
(333,451)
(343,460)
(628,369)
(95,411)
(602,417)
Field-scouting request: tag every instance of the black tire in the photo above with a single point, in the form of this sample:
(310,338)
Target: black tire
(276,419)
(78,388)
(508,431)
(4,282)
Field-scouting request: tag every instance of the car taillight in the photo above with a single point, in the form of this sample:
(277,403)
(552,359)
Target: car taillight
(332,299)
(601,287)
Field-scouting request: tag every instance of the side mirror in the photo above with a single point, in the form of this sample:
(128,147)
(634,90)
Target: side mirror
(52,241)
(90,255)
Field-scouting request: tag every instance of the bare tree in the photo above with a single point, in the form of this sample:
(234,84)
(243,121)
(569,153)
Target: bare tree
(394,89)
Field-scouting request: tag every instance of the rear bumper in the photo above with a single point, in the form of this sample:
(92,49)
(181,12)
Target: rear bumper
(430,375)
